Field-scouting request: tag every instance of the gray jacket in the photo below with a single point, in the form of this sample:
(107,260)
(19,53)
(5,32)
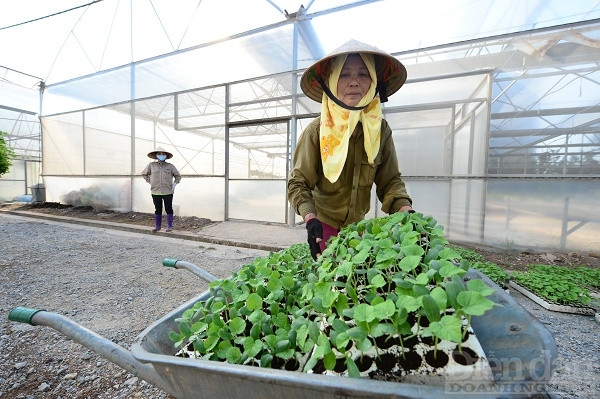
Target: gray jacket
(161,175)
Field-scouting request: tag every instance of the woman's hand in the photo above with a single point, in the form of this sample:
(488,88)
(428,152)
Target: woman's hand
(314,229)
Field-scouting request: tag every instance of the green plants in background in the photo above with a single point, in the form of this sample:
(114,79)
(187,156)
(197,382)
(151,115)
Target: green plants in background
(557,284)
(497,274)
(380,280)
(468,254)
(584,277)
(494,272)
(6,154)
(556,288)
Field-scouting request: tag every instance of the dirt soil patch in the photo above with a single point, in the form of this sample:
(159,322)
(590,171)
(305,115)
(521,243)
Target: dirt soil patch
(184,223)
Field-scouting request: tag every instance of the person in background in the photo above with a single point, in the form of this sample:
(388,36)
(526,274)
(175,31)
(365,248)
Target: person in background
(349,147)
(163,177)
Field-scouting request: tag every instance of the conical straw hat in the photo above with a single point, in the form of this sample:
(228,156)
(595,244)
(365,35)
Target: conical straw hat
(390,71)
(152,154)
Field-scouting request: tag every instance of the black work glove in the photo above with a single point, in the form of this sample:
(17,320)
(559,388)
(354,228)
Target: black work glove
(315,230)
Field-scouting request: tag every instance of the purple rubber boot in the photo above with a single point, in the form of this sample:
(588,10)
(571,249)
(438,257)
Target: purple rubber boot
(157,223)
(169,222)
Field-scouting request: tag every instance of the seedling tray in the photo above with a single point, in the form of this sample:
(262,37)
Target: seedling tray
(552,306)
(519,348)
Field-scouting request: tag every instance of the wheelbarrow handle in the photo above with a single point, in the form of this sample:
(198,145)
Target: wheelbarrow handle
(96,343)
(181,264)
(23,314)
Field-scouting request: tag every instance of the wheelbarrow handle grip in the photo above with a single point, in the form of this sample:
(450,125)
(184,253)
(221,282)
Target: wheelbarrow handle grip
(198,271)
(23,314)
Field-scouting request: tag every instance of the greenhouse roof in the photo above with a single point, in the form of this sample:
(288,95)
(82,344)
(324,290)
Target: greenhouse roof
(197,43)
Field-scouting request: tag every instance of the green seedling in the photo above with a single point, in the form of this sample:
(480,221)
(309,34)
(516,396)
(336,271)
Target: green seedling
(558,285)
(373,278)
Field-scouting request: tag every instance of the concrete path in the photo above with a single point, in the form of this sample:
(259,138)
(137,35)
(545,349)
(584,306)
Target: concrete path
(254,235)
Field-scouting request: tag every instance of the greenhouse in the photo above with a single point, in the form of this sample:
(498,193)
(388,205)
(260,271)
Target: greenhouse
(497,129)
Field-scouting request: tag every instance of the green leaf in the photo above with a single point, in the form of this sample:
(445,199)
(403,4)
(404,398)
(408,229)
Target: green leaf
(413,250)
(339,325)
(407,302)
(312,361)
(345,269)
(449,269)
(185,329)
(288,282)
(364,345)
(217,307)
(454,288)
(341,304)
(473,303)
(384,310)
(313,331)
(375,228)
(420,290)
(237,325)
(254,301)
(386,255)
(440,297)
(383,329)
(400,316)
(422,279)
(271,340)
(257,317)
(266,360)
(353,243)
(480,286)
(352,368)
(217,321)
(329,360)
(449,328)
(361,257)
(233,354)
(364,312)
(286,354)
(409,263)
(282,345)
(280,320)
(378,281)
(431,308)
(341,340)
(274,284)
(240,295)
(225,334)
(252,347)
(329,298)
(449,254)
(176,338)
(255,330)
(356,333)
(210,342)
(302,335)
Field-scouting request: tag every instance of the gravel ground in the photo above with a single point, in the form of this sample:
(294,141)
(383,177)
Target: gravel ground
(109,281)
(113,283)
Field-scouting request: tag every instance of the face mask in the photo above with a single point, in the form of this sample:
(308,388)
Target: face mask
(161,157)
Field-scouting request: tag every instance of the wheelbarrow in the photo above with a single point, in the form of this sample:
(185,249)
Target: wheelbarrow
(519,349)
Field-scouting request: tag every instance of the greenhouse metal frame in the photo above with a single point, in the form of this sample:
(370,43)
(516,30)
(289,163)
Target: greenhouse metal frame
(498,138)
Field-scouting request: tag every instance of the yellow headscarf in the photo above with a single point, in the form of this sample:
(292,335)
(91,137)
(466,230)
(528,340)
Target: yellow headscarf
(337,123)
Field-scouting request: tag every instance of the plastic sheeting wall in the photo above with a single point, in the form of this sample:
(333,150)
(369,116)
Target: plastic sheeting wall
(454,121)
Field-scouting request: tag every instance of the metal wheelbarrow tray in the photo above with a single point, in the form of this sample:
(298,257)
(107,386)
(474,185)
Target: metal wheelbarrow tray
(519,349)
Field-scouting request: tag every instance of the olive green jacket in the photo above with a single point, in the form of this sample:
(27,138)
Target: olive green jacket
(161,176)
(347,200)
